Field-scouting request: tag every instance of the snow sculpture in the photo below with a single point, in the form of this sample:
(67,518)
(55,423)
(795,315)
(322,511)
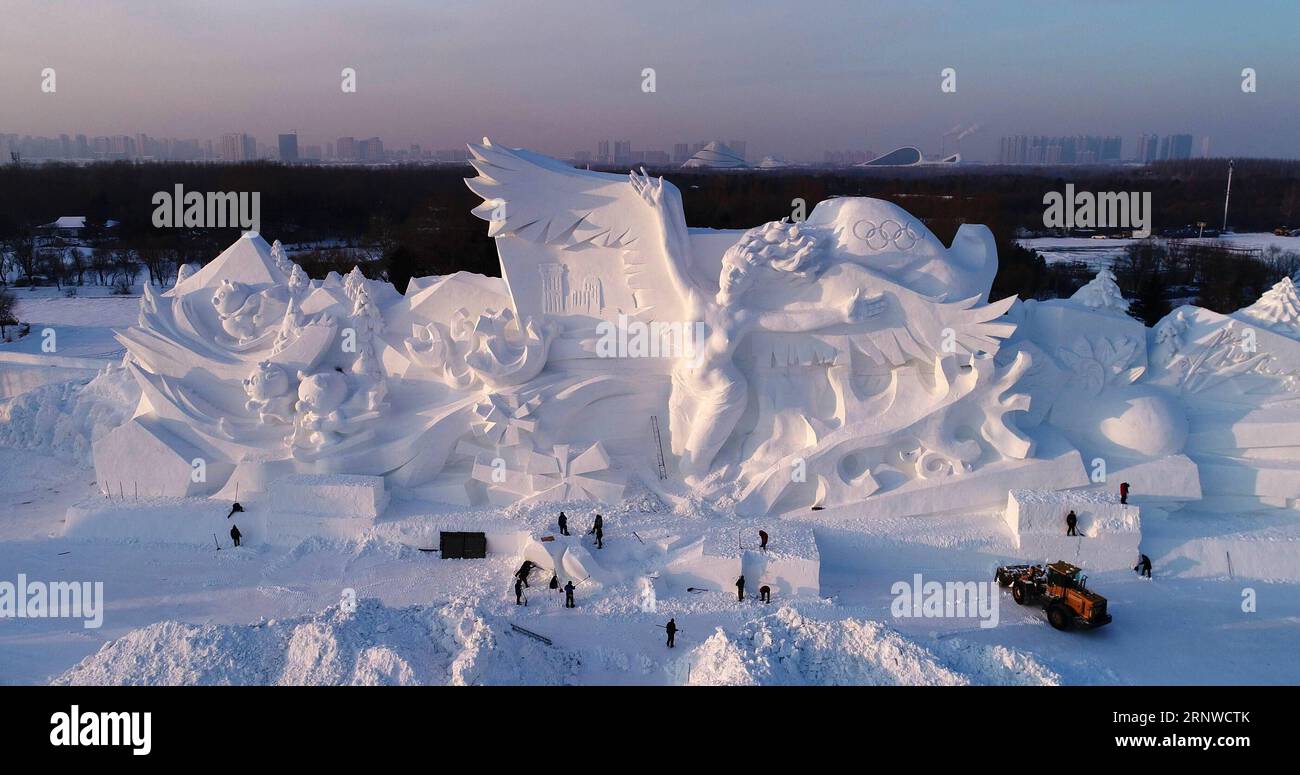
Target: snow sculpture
(268,394)
(851,361)
(1278,309)
(244,313)
(320,400)
(1102,293)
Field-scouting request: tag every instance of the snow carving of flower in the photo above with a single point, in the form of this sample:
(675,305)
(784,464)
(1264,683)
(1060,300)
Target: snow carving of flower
(1100,362)
(505,420)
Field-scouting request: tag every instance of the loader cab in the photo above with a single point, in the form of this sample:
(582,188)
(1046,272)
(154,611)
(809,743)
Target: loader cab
(1066,576)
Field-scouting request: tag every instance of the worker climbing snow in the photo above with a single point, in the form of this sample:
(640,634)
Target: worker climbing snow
(564,524)
(1143,568)
(740,589)
(524,570)
(235,509)
(568,595)
(671,627)
(762,540)
(597,524)
(1123,492)
(1070,521)
(235,535)
(555,581)
(600,537)
(519,591)
(765,593)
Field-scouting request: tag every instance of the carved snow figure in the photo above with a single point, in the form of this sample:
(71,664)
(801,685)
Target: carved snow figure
(246,314)
(367,323)
(353,282)
(765,277)
(320,399)
(185,271)
(290,327)
(281,258)
(851,360)
(299,282)
(268,391)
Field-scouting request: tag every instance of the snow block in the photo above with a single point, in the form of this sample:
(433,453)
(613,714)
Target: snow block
(1111,531)
(330,495)
(142,457)
(200,522)
(791,565)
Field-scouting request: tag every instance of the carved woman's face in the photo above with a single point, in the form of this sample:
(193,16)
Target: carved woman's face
(735,278)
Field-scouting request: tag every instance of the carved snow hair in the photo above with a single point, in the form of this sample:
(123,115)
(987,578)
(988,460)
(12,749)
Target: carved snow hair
(781,245)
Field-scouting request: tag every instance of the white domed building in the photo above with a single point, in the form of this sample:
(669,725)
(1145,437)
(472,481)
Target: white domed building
(715,155)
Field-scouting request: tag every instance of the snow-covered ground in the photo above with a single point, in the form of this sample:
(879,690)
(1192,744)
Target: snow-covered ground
(1099,253)
(262,613)
(267,614)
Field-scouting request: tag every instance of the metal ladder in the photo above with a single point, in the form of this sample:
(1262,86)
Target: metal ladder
(659,446)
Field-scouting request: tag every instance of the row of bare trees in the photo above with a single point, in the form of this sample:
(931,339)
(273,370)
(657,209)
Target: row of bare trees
(26,262)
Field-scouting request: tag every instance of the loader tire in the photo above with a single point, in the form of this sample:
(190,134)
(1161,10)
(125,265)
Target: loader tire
(1059,617)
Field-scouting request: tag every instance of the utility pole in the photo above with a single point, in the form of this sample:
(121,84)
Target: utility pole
(1226,194)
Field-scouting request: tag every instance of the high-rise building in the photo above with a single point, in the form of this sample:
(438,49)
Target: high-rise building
(1148,148)
(289,147)
(237,147)
(622,152)
(346,148)
(1078,149)
(370,150)
(681,152)
(602,152)
(1175,147)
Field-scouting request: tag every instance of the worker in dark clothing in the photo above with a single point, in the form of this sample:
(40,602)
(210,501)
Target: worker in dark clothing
(235,535)
(1070,522)
(740,588)
(235,509)
(555,581)
(597,524)
(568,595)
(1143,567)
(765,593)
(600,537)
(1123,492)
(524,570)
(519,591)
(671,627)
(564,524)
(762,540)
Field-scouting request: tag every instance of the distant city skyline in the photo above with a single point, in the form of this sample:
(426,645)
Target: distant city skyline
(290,147)
(797,81)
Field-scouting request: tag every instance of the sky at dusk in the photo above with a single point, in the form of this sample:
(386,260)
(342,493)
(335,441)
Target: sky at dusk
(794,79)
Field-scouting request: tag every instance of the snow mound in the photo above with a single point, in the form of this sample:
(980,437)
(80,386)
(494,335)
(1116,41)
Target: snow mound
(1278,309)
(372,645)
(787,648)
(64,419)
(1102,294)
